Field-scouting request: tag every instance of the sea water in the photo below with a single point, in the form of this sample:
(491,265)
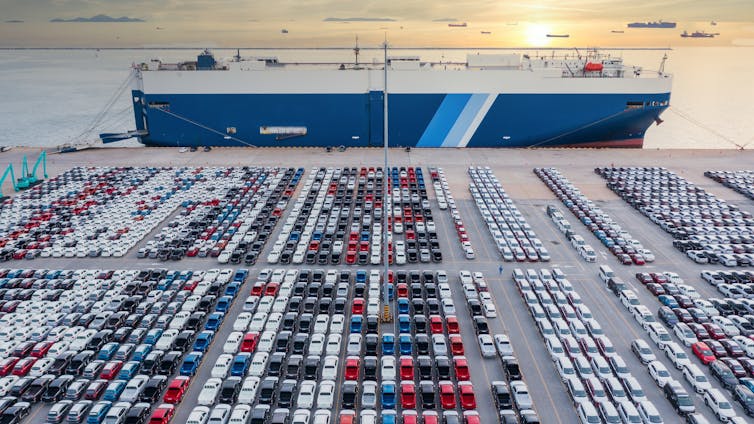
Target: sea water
(52,97)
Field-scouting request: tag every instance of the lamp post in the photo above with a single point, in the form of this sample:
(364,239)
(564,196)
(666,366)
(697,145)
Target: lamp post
(386,312)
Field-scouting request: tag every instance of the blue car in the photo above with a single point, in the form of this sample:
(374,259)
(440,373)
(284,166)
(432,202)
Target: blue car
(389,417)
(403,306)
(152,336)
(356,322)
(108,351)
(405,344)
(388,344)
(241,275)
(748,382)
(668,301)
(214,320)
(223,304)
(113,390)
(141,351)
(232,289)
(129,370)
(203,340)
(404,324)
(191,363)
(361,276)
(98,412)
(390,291)
(240,364)
(387,398)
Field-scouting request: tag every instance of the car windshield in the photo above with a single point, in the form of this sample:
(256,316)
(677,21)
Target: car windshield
(685,401)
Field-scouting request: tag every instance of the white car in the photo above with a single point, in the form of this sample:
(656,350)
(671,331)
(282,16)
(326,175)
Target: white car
(222,366)
(465,277)
(659,373)
(321,323)
(388,370)
(448,307)
(333,344)
(258,364)
(40,367)
(330,368)
(489,310)
(684,332)
(134,388)
(233,342)
(306,392)
(487,346)
(317,344)
(698,380)
(266,341)
(248,391)
(337,324)
(354,344)
(242,321)
(209,392)
(326,395)
(198,415)
(720,406)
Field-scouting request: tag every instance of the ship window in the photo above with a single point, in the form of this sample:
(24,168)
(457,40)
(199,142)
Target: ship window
(634,105)
(159,105)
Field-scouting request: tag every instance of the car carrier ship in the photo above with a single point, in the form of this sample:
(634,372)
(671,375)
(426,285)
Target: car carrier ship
(490,100)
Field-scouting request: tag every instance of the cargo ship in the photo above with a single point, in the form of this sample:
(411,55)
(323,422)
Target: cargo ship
(658,24)
(490,100)
(698,34)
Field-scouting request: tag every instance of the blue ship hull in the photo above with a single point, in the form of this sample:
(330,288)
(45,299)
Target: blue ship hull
(415,120)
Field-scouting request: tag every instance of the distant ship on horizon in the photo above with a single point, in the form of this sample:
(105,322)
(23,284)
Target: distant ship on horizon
(459,25)
(713,23)
(486,32)
(658,24)
(617,31)
(558,35)
(699,34)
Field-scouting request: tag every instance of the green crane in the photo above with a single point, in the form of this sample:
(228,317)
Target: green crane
(29,179)
(8,171)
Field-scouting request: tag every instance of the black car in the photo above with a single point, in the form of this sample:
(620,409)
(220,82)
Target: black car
(501,393)
(169,363)
(138,414)
(150,364)
(229,390)
(370,368)
(79,362)
(427,395)
(16,413)
(37,389)
(349,393)
(60,363)
(285,397)
(259,414)
(267,390)
(153,389)
(723,374)
(481,326)
(679,398)
(275,363)
(745,397)
(56,390)
(311,366)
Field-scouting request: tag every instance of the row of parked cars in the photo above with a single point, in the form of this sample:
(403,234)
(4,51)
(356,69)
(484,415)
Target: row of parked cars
(230,220)
(103,345)
(338,218)
(584,250)
(308,348)
(620,242)
(513,236)
(707,229)
(740,181)
(595,376)
(718,332)
(92,211)
(446,201)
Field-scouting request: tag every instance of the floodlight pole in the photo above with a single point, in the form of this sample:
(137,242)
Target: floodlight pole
(387,315)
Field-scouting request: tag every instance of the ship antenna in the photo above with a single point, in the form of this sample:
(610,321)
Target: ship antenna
(661,71)
(356,51)
(238,55)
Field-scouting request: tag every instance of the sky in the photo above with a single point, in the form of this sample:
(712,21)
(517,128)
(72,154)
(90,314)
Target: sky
(336,23)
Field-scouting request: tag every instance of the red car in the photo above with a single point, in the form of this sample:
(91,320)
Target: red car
(407,368)
(408,395)
(471,417)
(656,289)
(644,277)
(447,395)
(703,352)
(453,326)
(468,400)
(402,289)
(716,347)
(462,368)
(352,368)
(249,342)
(435,324)
(351,257)
(735,367)
(40,349)
(111,370)
(456,344)
(699,331)
(714,331)
(95,389)
(257,288)
(659,278)
(430,417)
(358,306)
(23,366)
(176,389)
(638,259)
(7,364)
(163,414)
(271,289)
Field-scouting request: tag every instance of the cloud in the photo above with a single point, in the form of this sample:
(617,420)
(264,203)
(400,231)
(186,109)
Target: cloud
(445,20)
(358,19)
(99,18)
(14,21)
